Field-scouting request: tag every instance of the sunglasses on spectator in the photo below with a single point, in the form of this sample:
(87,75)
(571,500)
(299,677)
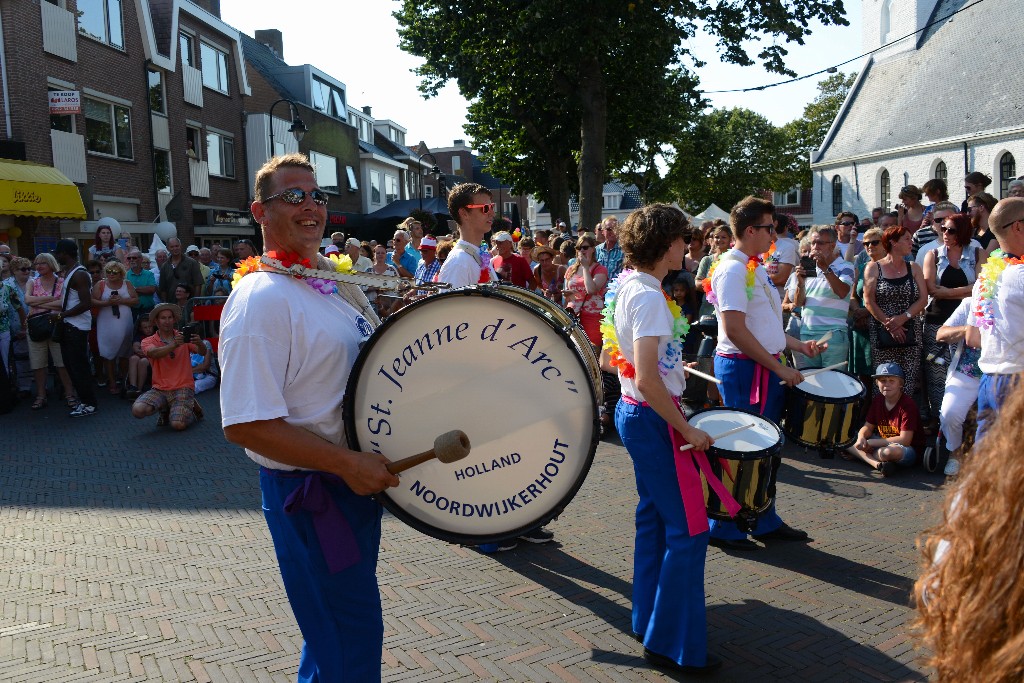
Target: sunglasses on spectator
(871,243)
(295,195)
(112,271)
(131,258)
(584,247)
(23,270)
(766,226)
(846,223)
(484,208)
(948,231)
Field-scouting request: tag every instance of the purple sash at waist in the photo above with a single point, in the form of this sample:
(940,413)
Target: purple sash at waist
(337,540)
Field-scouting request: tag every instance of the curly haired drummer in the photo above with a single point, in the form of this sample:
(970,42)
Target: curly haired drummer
(641,332)
(288,416)
(751,340)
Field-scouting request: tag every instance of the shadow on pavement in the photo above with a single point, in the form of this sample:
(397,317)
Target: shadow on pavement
(759,642)
(549,566)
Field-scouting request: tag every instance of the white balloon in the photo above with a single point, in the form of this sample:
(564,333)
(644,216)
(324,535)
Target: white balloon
(166,230)
(111,223)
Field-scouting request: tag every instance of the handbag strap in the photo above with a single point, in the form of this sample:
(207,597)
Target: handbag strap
(67,287)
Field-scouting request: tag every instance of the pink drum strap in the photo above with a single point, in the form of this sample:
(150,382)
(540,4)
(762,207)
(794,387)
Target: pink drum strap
(759,387)
(692,493)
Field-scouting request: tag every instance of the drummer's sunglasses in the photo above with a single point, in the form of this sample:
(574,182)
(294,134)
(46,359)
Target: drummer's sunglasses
(484,208)
(294,195)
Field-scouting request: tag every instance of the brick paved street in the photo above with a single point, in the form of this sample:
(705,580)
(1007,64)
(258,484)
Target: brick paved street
(132,553)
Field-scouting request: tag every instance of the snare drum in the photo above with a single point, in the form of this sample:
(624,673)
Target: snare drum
(745,462)
(507,367)
(824,410)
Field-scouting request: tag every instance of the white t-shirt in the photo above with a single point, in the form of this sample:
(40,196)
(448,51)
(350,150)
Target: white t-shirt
(641,311)
(1002,347)
(787,250)
(460,269)
(286,351)
(763,311)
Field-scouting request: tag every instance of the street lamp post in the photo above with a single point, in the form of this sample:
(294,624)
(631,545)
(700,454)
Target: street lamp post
(298,128)
(434,171)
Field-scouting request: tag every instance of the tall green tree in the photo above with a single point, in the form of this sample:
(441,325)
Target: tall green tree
(724,156)
(596,62)
(805,134)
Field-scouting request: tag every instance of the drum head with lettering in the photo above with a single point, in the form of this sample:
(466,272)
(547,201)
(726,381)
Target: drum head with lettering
(491,366)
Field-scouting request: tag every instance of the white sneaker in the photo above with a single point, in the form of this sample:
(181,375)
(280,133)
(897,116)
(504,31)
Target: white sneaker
(952,468)
(82,410)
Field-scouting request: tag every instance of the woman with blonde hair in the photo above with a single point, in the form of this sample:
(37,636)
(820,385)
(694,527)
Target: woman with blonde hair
(586,281)
(45,295)
(114,296)
(970,597)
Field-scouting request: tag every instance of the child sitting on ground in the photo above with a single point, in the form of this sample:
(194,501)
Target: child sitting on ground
(891,434)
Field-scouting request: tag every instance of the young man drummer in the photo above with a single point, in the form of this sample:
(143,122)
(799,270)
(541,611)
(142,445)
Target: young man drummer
(751,340)
(470,264)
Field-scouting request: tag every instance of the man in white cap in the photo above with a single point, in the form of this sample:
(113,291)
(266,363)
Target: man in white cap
(510,266)
(360,263)
(192,251)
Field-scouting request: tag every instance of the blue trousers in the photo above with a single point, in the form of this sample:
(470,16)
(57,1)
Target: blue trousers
(992,391)
(668,563)
(339,614)
(737,375)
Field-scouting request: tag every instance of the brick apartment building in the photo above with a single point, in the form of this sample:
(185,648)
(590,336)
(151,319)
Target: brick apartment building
(157,133)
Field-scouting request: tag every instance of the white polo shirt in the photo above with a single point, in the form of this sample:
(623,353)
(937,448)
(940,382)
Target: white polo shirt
(763,310)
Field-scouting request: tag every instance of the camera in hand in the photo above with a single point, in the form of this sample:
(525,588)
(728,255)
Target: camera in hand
(809,265)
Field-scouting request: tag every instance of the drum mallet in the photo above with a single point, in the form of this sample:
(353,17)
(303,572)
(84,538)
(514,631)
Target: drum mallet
(812,373)
(716,437)
(449,447)
(698,373)
(825,337)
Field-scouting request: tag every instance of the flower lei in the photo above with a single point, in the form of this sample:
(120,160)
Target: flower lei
(673,350)
(752,263)
(485,265)
(988,285)
(767,256)
(342,264)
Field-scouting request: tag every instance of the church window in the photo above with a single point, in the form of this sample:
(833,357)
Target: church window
(837,195)
(1007,172)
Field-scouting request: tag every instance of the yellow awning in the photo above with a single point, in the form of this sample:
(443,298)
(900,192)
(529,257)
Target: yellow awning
(28,189)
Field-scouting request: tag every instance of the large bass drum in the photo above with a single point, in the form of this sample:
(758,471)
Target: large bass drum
(509,368)
(746,462)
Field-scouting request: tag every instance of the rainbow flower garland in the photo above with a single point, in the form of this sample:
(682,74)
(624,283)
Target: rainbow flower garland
(342,264)
(988,285)
(752,263)
(485,266)
(673,350)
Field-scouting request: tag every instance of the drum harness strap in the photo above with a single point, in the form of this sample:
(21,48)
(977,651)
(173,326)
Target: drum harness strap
(690,489)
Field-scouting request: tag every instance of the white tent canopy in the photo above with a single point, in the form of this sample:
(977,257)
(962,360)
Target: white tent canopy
(711,213)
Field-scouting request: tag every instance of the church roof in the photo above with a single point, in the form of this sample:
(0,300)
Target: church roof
(963,79)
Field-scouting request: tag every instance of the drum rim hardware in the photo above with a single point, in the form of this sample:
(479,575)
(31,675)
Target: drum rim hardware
(383,282)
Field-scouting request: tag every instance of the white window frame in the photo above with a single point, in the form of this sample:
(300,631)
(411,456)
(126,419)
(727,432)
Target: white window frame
(326,170)
(790,197)
(391,193)
(376,186)
(428,191)
(507,208)
(353,184)
(188,56)
(170,171)
(112,109)
(163,92)
(365,131)
(456,165)
(220,67)
(108,29)
(218,161)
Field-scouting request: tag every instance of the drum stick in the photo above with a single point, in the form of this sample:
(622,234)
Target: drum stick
(698,373)
(716,437)
(825,338)
(449,447)
(811,373)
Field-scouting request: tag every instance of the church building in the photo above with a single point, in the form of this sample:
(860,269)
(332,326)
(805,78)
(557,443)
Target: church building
(945,101)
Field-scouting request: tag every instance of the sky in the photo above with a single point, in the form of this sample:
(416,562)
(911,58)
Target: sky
(363,54)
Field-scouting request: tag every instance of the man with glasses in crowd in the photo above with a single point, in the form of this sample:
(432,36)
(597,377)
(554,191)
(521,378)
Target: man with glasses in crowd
(471,207)
(825,299)
(751,339)
(609,253)
(403,261)
(846,228)
(143,282)
(317,492)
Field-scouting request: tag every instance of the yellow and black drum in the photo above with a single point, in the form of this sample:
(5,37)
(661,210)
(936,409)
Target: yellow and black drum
(824,411)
